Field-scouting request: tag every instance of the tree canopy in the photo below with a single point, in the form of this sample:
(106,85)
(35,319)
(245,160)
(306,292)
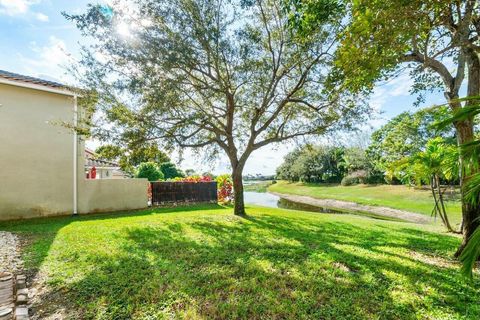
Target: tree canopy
(406,135)
(130,157)
(314,164)
(227,75)
(380,38)
(150,171)
(170,171)
(329,164)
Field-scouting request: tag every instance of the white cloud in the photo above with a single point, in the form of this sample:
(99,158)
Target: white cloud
(378,98)
(16,7)
(41,17)
(397,87)
(49,59)
(400,86)
(54,53)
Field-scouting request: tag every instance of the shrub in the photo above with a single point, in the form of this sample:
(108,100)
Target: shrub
(356,177)
(375,177)
(195,178)
(170,171)
(150,171)
(349,181)
(225,188)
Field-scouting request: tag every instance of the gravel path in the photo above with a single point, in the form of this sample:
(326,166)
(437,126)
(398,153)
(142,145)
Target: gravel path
(9,252)
(352,206)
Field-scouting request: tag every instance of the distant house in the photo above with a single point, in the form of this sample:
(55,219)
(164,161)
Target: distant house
(104,169)
(35,182)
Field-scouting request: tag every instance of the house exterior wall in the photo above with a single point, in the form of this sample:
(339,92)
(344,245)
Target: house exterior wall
(36,161)
(36,153)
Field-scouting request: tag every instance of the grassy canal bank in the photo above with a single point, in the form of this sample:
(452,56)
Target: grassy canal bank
(397,197)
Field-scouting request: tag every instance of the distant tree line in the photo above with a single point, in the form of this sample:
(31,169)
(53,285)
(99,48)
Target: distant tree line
(394,155)
(327,164)
(258,177)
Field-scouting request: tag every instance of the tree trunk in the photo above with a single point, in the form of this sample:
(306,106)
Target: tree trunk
(470,211)
(440,199)
(239,204)
(465,133)
(436,208)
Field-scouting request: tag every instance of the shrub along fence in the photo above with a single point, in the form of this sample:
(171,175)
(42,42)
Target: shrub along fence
(168,192)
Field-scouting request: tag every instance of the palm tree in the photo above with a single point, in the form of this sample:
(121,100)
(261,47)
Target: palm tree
(436,163)
(470,153)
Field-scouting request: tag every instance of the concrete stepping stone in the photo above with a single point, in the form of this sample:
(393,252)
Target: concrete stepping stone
(21,309)
(6,313)
(21,313)
(6,289)
(6,296)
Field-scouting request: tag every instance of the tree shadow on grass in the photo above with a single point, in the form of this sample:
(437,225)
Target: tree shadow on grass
(40,233)
(271,267)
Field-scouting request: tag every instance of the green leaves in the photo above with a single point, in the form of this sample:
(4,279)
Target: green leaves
(306,16)
(407,134)
(470,253)
(467,112)
(437,159)
(132,154)
(150,171)
(317,163)
(170,171)
(226,75)
(470,151)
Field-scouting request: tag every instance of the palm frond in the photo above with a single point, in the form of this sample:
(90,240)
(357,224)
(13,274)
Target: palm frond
(470,253)
(472,188)
(471,151)
(461,114)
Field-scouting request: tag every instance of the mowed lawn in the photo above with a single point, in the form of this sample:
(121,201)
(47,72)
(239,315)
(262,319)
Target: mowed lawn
(398,196)
(203,262)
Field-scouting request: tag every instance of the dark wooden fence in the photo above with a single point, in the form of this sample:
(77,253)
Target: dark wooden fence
(167,192)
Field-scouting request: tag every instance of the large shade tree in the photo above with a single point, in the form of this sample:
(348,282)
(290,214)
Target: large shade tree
(312,163)
(438,39)
(226,75)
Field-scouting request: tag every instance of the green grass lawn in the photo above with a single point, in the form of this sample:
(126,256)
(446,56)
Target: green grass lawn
(398,197)
(204,263)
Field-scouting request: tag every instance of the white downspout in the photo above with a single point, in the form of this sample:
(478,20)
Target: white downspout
(75,155)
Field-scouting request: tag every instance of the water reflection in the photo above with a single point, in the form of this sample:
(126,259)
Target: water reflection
(287,204)
(272,201)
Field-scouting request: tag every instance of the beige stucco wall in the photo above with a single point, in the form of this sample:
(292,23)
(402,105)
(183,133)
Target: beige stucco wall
(36,161)
(108,195)
(36,153)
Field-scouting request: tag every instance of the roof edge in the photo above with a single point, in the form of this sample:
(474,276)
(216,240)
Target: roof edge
(39,87)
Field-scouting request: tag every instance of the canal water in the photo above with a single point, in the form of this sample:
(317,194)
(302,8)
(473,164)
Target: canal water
(265,199)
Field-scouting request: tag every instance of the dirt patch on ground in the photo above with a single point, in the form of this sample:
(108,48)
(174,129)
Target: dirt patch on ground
(433,260)
(360,208)
(43,303)
(50,305)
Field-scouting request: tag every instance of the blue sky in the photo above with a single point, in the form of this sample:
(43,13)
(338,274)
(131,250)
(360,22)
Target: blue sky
(36,40)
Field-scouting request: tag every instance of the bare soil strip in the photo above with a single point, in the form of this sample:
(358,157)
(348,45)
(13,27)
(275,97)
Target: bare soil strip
(360,208)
